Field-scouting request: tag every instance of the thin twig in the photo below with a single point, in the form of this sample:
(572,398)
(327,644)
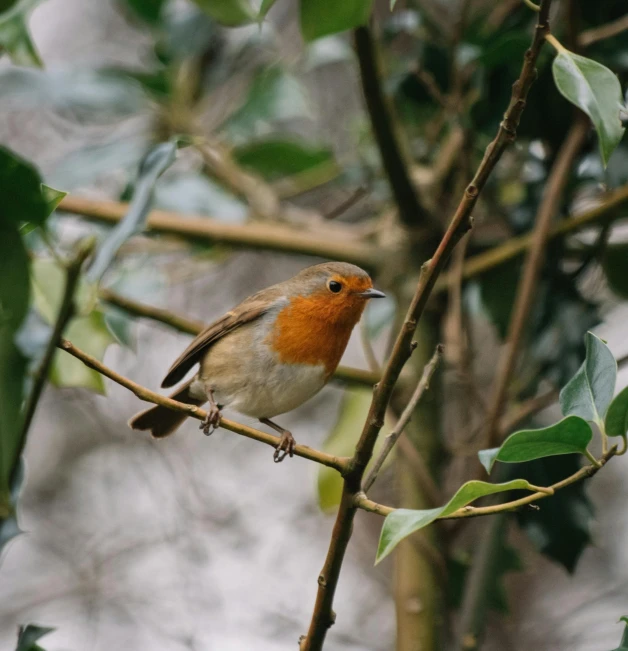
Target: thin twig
(66,312)
(346,374)
(338,463)
(411,212)
(516,246)
(362,502)
(322,617)
(609,30)
(527,287)
(367,348)
(391,439)
(261,236)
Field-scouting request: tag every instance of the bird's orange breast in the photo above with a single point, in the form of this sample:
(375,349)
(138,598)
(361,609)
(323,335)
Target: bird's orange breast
(314,330)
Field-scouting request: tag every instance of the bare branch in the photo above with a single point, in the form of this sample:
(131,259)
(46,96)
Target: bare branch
(337,463)
(609,30)
(391,439)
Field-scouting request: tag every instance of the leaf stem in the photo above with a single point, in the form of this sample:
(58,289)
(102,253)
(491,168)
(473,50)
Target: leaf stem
(555,43)
(531,5)
(624,447)
(592,459)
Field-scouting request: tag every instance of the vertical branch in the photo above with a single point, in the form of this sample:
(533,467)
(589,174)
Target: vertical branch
(410,210)
(550,204)
(323,617)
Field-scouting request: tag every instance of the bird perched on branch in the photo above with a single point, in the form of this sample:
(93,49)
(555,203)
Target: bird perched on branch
(271,353)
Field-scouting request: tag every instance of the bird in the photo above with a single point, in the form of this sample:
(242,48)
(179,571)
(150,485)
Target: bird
(269,354)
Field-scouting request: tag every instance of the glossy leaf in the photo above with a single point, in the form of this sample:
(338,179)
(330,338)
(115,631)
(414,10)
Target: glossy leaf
(615,265)
(15,38)
(324,17)
(595,90)
(29,203)
(341,442)
(28,636)
(616,422)
(154,164)
(403,522)
(589,393)
(228,12)
(568,436)
(276,157)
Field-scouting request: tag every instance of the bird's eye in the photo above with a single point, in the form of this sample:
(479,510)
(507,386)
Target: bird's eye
(334,286)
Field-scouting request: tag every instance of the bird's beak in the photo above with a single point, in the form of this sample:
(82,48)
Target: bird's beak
(372,293)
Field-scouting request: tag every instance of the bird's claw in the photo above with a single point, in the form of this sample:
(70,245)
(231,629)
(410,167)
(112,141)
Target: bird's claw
(285,447)
(212,420)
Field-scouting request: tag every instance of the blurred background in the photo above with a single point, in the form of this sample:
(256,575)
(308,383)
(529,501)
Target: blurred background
(254,139)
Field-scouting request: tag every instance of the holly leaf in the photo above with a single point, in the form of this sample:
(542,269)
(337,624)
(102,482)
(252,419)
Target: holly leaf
(402,522)
(571,435)
(28,636)
(324,17)
(560,528)
(594,89)
(589,393)
(616,422)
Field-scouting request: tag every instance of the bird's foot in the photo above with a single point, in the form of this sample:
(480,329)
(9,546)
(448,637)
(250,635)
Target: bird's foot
(285,447)
(212,420)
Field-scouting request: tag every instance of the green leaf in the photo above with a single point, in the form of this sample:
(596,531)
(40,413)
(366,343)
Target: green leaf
(560,529)
(157,161)
(90,334)
(15,38)
(228,12)
(623,645)
(276,157)
(324,17)
(28,635)
(568,436)
(615,265)
(594,89)
(147,10)
(616,423)
(403,522)
(589,393)
(341,442)
(265,8)
(52,197)
(273,96)
(21,190)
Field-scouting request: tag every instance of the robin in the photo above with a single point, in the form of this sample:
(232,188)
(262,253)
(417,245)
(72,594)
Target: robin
(271,353)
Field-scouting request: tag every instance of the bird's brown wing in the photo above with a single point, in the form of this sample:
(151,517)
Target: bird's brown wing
(249,310)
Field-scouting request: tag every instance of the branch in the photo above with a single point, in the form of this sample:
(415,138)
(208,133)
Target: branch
(270,237)
(322,617)
(362,502)
(391,439)
(516,246)
(411,212)
(609,30)
(346,374)
(66,312)
(337,463)
(526,289)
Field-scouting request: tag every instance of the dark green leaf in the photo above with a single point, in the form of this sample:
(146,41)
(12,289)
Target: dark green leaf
(616,422)
(594,89)
(154,164)
(403,522)
(323,17)
(9,528)
(15,38)
(277,157)
(29,634)
(568,436)
(560,528)
(228,12)
(589,393)
(14,284)
(623,646)
(615,265)
(21,190)
(148,10)
(52,197)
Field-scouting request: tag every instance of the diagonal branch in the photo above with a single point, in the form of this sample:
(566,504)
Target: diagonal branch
(322,617)
(337,463)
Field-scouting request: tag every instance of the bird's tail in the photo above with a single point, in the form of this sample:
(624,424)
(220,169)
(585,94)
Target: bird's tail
(162,421)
